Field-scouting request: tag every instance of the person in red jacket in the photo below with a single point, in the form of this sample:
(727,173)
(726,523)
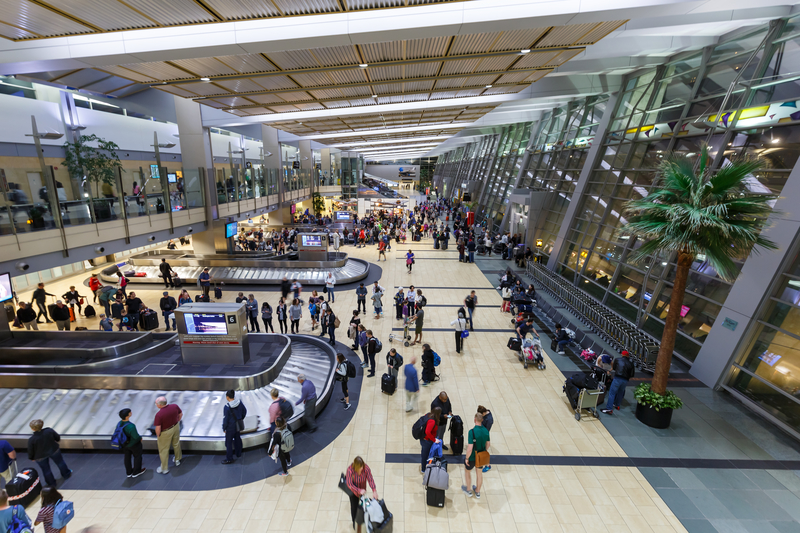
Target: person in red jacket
(94,284)
(431,431)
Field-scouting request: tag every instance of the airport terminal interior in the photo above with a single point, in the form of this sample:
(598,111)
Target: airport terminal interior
(483,183)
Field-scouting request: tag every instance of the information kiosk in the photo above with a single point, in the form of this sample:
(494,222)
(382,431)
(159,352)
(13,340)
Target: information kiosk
(212,333)
(312,247)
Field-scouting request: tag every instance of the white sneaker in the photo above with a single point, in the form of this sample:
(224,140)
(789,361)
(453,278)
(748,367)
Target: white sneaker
(162,471)
(176,462)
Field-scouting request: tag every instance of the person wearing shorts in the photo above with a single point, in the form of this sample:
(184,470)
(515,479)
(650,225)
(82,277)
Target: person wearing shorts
(477,441)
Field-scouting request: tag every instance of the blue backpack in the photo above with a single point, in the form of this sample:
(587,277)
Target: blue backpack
(17,524)
(119,438)
(436,359)
(62,514)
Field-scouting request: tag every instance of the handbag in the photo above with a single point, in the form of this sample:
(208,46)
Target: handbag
(481,458)
(464,334)
(80,301)
(325,289)
(343,485)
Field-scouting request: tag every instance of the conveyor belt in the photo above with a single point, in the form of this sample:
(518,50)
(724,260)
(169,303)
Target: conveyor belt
(354,270)
(86,418)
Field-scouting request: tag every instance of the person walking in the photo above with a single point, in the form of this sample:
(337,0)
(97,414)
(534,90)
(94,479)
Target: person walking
(233,415)
(430,436)
(377,303)
(363,340)
(286,287)
(42,447)
(361,298)
(27,316)
(341,376)
(50,497)
(412,383)
(381,250)
(166,273)
(460,324)
(330,282)
(283,312)
(477,442)
(168,306)
(8,458)
(624,370)
(428,366)
(40,297)
(372,349)
(94,285)
(168,433)
(205,282)
(280,443)
(418,319)
(409,260)
(471,302)
(266,317)
(60,313)
(357,476)
(251,306)
(133,446)
(295,314)
(73,298)
(443,403)
(308,397)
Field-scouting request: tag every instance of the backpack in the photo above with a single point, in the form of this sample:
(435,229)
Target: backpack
(351,369)
(286,410)
(399,359)
(378,345)
(422,302)
(436,359)
(418,429)
(470,301)
(17,525)
(461,313)
(119,438)
(287,440)
(62,514)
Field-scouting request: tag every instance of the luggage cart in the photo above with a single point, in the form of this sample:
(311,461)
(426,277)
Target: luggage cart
(587,399)
(405,339)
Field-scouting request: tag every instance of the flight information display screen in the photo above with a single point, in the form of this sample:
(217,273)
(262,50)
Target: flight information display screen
(312,241)
(231,229)
(205,324)
(343,215)
(5,287)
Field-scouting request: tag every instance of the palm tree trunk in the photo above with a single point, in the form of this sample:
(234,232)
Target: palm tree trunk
(664,360)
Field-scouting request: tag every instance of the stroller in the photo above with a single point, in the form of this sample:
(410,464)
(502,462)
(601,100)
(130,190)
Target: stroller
(532,353)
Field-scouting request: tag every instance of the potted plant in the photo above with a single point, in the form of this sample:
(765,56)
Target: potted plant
(691,212)
(37,212)
(318,203)
(97,164)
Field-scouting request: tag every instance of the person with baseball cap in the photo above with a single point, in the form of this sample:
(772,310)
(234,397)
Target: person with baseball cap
(624,370)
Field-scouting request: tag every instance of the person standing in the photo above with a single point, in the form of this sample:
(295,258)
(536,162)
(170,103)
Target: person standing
(286,287)
(94,285)
(166,273)
(624,370)
(419,319)
(471,247)
(251,306)
(444,405)
(488,422)
(280,439)
(409,260)
(266,317)
(363,340)
(460,325)
(330,281)
(27,316)
(430,436)
(352,329)
(8,458)
(232,414)
(412,383)
(399,298)
(283,312)
(42,447)
(168,306)
(73,298)
(133,446)
(134,306)
(297,287)
(40,297)
(308,397)
(394,361)
(205,282)
(357,476)
(341,376)
(377,303)
(372,349)
(471,302)
(7,513)
(361,298)
(477,441)
(295,314)
(330,322)
(50,497)
(168,432)
(60,313)
(381,250)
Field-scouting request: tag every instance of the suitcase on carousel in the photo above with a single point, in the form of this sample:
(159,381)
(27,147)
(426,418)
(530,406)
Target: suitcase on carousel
(388,384)
(24,488)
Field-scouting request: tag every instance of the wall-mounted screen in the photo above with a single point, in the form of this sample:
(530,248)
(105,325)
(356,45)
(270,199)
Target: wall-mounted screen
(231,230)
(312,240)
(343,215)
(5,287)
(205,324)
(293,209)
(685,310)
(154,172)
(172,177)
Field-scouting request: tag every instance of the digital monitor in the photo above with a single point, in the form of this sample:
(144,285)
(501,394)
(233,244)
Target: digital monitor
(292,209)
(231,230)
(312,241)
(154,171)
(172,177)
(685,310)
(5,287)
(343,215)
(205,323)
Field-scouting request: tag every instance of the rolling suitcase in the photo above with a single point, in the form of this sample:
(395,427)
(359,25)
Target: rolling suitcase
(24,488)
(89,312)
(456,435)
(217,293)
(177,282)
(71,314)
(514,344)
(149,321)
(435,497)
(388,384)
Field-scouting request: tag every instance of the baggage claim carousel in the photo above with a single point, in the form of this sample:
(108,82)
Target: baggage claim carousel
(78,381)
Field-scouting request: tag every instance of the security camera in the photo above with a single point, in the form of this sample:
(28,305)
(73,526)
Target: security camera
(23,266)
(99,249)
(151,238)
(189,229)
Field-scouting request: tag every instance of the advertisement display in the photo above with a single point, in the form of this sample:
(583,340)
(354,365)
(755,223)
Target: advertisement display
(231,229)
(5,287)
(172,177)
(312,241)
(205,324)
(343,216)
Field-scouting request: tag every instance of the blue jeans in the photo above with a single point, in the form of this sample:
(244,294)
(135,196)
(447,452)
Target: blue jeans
(58,459)
(469,313)
(562,345)
(616,392)
(166,320)
(233,445)
(471,257)
(425,452)
(330,294)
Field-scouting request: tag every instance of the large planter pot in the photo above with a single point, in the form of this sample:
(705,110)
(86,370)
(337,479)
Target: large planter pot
(650,417)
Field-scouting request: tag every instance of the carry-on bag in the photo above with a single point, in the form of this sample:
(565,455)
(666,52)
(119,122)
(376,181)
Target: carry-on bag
(24,488)
(514,344)
(456,435)
(388,384)
(217,293)
(434,497)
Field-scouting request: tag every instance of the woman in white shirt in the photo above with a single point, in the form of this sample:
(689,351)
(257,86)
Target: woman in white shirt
(460,324)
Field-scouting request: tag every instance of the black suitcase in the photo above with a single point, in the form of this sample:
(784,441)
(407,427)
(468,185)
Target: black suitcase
(149,321)
(88,311)
(201,298)
(456,435)
(388,384)
(217,293)
(553,345)
(177,282)
(435,497)
(514,344)
(24,488)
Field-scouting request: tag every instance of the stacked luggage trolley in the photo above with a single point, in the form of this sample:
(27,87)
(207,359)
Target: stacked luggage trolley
(612,328)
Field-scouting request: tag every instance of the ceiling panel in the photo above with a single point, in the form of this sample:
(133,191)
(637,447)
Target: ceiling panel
(293,59)
(390,51)
(386,73)
(422,48)
(274,82)
(450,83)
(307,7)
(179,91)
(326,94)
(312,79)
(415,86)
(247,63)
(536,76)
(108,15)
(336,56)
(309,106)
(266,98)
(13,33)
(283,108)
(496,63)
(123,72)
(602,29)
(172,12)
(258,111)
(159,70)
(387,88)
(513,78)
(203,89)
(373,4)
(566,35)
(474,43)
(243,9)
(205,67)
(240,85)
(356,91)
(462,66)
(233,101)
(422,70)
(534,60)
(347,76)
(518,39)
(38,20)
(295,96)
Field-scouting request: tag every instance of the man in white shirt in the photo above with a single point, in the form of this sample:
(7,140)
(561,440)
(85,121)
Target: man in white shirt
(330,281)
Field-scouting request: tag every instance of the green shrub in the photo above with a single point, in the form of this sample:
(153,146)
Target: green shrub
(645,396)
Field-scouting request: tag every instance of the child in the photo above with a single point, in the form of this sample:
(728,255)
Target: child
(125,321)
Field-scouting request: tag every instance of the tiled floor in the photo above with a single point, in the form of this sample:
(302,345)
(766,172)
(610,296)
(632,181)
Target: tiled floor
(532,418)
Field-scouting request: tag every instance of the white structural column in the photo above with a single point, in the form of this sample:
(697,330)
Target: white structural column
(326,162)
(271,145)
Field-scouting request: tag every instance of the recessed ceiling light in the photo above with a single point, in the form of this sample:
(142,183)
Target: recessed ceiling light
(363,65)
(205,79)
(526,51)
(374,95)
(163,83)
(488,86)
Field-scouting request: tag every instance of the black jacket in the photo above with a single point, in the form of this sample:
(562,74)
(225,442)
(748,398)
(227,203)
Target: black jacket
(623,368)
(59,313)
(165,268)
(562,335)
(286,287)
(446,406)
(231,414)
(40,295)
(43,444)
(168,303)
(26,315)
(427,359)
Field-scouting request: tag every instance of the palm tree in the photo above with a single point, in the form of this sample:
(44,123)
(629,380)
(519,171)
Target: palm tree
(692,212)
